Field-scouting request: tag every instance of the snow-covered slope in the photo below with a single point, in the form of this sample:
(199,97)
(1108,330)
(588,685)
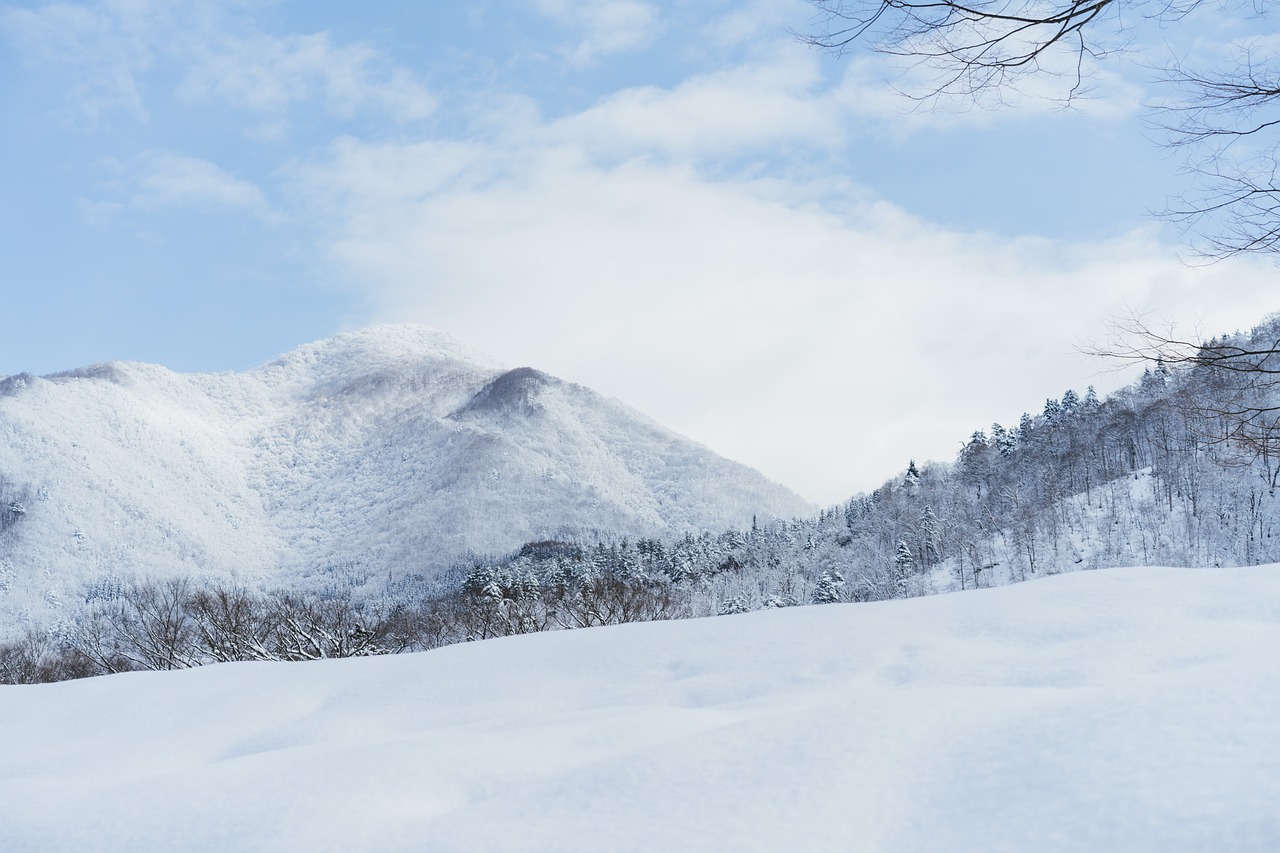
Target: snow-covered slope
(392,449)
(1128,709)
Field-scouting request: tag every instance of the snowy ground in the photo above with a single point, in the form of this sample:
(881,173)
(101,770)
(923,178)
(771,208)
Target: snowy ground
(1120,710)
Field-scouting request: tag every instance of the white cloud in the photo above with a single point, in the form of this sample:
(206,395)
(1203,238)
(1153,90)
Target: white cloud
(811,331)
(116,48)
(776,312)
(603,27)
(269,74)
(106,49)
(748,23)
(801,326)
(754,106)
(781,102)
(875,88)
(162,179)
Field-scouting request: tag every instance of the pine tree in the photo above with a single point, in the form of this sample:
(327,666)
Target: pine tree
(1003,440)
(827,589)
(930,533)
(912,479)
(1162,372)
(903,563)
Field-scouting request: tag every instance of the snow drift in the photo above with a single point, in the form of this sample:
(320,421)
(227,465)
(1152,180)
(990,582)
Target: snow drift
(1130,709)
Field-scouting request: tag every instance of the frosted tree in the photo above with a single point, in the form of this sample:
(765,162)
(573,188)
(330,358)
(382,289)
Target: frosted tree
(1003,440)
(827,589)
(931,535)
(911,481)
(903,563)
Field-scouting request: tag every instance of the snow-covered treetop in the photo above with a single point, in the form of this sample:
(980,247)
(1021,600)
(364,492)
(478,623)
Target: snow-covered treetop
(369,350)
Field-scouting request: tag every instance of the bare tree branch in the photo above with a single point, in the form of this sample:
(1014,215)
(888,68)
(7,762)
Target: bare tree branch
(972,47)
(1227,119)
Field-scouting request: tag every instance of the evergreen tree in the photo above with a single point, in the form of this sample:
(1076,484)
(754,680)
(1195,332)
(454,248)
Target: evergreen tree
(1004,440)
(1162,372)
(912,479)
(827,589)
(903,562)
(930,533)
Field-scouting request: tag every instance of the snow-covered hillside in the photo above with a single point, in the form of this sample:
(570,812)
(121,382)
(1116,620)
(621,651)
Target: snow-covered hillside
(1128,709)
(388,450)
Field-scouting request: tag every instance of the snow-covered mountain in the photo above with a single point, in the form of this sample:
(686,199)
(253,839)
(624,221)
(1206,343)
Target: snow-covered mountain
(393,449)
(1120,710)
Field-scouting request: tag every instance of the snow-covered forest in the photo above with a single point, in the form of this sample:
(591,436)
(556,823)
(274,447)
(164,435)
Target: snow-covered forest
(1178,469)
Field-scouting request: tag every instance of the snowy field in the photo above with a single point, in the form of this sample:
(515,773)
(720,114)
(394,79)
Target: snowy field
(1120,710)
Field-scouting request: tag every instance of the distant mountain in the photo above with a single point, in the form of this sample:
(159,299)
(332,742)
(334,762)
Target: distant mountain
(393,449)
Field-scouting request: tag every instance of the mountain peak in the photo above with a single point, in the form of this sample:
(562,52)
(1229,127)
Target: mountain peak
(375,348)
(514,390)
(394,449)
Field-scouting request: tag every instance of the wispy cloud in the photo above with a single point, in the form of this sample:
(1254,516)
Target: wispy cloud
(753,106)
(893,96)
(107,49)
(602,27)
(116,49)
(162,179)
(269,74)
(749,22)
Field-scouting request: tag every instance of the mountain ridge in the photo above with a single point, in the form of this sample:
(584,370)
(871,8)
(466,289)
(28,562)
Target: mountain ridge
(392,449)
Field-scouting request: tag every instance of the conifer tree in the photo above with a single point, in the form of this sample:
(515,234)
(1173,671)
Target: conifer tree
(1004,440)
(903,562)
(827,589)
(912,479)
(930,533)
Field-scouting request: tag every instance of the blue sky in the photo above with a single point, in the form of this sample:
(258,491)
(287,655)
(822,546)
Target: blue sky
(675,203)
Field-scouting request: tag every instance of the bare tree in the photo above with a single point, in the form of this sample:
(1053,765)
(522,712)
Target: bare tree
(233,625)
(1226,118)
(148,627)
(312,629)
(972,47)
(36,657)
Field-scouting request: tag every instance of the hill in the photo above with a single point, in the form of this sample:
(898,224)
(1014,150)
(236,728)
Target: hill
(390,450)
(1128,709)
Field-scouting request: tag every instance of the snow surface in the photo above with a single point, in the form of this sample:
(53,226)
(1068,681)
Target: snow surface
(390,450)
(1117,710)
